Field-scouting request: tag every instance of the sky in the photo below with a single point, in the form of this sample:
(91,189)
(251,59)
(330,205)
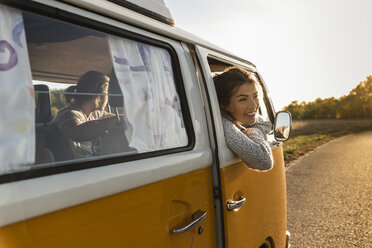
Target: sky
(304,49)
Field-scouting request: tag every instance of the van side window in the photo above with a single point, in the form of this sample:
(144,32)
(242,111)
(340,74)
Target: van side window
(218,67)
(98,95)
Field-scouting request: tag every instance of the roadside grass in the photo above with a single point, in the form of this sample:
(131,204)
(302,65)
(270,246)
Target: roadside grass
(308,134)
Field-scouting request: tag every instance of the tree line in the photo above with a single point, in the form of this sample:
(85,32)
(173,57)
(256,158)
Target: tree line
(357,104)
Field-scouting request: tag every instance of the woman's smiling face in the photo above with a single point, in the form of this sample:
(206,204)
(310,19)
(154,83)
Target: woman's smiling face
(244,103)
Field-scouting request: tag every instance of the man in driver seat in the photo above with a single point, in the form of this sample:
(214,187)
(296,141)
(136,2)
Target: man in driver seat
(84,119)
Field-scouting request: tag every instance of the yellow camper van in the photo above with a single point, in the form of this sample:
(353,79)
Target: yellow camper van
(163,176)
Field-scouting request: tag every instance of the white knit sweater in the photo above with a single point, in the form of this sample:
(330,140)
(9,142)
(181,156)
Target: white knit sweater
(252,147)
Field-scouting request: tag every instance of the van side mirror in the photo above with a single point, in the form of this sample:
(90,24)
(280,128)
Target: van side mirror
(282,125)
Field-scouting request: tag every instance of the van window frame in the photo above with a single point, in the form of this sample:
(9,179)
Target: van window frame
(224,155)
(72,165)
(266,98)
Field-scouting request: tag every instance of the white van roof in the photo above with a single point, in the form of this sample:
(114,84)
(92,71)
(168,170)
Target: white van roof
(125,10)
(153,8)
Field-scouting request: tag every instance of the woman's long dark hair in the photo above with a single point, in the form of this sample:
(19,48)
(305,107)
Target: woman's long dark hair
(92,82)
(226,83)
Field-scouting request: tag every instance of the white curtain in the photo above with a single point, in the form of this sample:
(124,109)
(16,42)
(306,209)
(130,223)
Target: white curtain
(151,104)
(17,104)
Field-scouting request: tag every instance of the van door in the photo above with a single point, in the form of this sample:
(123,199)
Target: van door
(131,192)
(259,215)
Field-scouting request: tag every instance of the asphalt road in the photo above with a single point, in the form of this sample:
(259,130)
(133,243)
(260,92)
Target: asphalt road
(329,194)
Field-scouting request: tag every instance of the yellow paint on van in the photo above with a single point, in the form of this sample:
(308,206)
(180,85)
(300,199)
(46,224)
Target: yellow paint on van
(264,211)
(141,217)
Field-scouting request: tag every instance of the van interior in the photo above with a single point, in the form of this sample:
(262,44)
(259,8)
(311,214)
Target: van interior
(59,54)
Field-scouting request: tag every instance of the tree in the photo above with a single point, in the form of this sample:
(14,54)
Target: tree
(357,104)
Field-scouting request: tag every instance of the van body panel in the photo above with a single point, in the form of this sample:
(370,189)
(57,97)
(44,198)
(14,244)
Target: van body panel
(140,217)
(263,214)
(115,178)
(33,197)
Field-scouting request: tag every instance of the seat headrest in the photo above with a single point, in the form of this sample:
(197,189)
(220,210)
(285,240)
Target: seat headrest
(42,111)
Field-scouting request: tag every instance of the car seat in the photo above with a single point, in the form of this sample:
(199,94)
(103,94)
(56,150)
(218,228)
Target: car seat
(51,144)
(42,128)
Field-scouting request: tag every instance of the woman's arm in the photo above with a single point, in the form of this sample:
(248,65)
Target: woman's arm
(251,147)
(89,130)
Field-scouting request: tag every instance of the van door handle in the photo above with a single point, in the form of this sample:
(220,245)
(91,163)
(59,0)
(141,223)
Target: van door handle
(232,205)
(197,218)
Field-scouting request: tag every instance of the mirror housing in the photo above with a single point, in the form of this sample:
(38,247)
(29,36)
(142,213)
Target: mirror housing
(282,125)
